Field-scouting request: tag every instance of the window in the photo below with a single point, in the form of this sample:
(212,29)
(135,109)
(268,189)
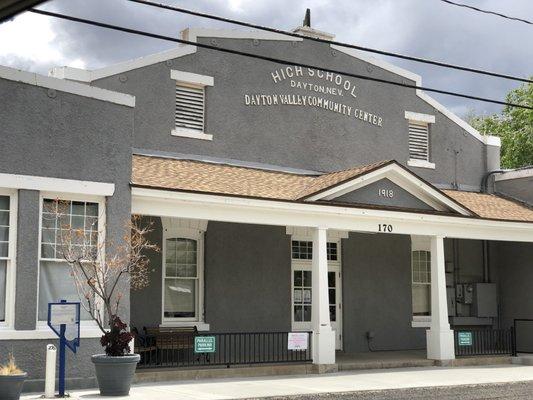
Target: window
(181,278)
(189,113)
(421,282)
(303,250)
(419,139)
(57,218)
(6,250)
(190,107)
(302,296)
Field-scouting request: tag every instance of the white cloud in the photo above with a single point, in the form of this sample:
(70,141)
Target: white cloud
(30,39)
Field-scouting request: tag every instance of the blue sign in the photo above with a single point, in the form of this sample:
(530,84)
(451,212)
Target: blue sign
(64,320)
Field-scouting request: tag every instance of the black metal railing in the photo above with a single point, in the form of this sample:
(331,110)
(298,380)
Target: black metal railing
(482,342)
(171,350)
(523,336)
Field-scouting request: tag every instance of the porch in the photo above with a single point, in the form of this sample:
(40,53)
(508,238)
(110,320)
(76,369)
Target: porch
(357,278)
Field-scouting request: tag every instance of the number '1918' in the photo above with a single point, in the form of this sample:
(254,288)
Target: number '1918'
(384,228)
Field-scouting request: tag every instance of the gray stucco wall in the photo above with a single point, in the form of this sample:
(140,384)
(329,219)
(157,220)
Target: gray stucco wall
(514,263)
(377,293)
(294,136)
(370,194)
(248,278)
(27,259)
(520,189)
(61,136)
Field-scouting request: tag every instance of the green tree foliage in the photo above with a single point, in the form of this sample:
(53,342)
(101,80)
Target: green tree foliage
(514,126)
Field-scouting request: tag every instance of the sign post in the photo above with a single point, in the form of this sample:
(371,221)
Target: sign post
(64,320)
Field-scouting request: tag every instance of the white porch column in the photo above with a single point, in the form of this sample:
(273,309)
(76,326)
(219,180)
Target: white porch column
(323,335)
(440,342)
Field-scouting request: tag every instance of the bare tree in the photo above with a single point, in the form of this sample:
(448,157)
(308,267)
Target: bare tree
(103,271)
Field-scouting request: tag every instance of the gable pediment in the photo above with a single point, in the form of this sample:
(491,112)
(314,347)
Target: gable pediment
(390,185)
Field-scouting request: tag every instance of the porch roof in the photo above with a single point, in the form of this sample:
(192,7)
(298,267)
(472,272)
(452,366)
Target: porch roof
(223,179)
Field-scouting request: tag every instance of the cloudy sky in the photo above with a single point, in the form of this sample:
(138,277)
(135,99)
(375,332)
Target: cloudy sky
(424,28)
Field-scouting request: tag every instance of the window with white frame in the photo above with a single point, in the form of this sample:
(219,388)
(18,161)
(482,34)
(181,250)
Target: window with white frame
(421,282)
(419,128)
(181,279)
(189,113)
(65,224)
(302,255)
(6,250)
(418,140)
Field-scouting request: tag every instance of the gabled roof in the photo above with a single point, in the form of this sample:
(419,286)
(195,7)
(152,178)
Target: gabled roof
(193,35)
(222,179)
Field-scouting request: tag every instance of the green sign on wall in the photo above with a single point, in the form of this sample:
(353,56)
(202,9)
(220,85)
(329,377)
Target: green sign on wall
(464,338)
(204,344)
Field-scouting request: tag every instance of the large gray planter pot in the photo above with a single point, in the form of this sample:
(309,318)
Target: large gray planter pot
(11,386)
(115,374)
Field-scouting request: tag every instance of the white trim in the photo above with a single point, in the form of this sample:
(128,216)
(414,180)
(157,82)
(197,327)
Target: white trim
(45,333)
(201,326)
(486,139)
(421,321)
(192,34)
(167,203)
(492,140)
(58,185)
(91,76)
(11,264)
(518,174)
(190,78)
(413,116)
(62,85)
(191,133)
(420,164)
(186,229)
(405,179)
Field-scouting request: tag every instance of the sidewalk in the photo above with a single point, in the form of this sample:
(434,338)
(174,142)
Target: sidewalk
(363,380)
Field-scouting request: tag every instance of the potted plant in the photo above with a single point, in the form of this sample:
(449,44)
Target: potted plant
(11,380)
(101,280)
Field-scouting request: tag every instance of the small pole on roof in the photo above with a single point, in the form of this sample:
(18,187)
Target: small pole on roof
(307,18)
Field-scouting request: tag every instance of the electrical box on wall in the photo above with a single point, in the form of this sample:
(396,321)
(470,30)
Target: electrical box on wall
(485,300)
(465,293)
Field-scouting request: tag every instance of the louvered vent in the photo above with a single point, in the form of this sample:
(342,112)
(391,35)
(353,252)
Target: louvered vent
(190,108)
(418,140)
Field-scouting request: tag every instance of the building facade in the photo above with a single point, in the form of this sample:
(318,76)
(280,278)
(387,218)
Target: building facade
(283,199)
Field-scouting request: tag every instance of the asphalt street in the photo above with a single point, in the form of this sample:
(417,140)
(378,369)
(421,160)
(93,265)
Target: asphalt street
(514,390)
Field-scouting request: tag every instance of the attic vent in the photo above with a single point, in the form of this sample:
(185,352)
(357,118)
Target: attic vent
(190,106)
(418,140)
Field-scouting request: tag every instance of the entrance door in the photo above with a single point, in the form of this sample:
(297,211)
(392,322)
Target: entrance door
(302,290)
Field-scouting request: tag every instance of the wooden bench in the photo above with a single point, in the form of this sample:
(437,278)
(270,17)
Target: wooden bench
(175,338)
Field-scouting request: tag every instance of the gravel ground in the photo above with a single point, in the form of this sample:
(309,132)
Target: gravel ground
(515,391)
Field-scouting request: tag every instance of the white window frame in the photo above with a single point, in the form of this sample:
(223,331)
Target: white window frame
(11,270)
(195,81)
(419,243)
(419,119)
(101,201)
(306,265)
(177,231)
